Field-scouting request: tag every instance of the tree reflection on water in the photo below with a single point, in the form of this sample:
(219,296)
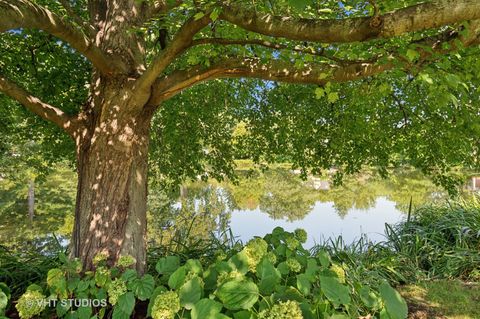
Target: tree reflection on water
(200,209)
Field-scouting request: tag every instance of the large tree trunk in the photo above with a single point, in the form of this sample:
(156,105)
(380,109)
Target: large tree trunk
(111,202)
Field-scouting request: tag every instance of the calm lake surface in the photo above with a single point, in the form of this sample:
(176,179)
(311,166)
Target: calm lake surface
(254,206)
(322,222)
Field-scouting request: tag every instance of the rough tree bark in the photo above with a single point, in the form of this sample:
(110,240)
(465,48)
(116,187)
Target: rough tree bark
(112,130)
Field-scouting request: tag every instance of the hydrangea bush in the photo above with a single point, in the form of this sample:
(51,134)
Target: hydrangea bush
(269,278)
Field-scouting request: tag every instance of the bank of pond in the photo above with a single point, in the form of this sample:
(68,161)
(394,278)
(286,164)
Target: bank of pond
(273,276)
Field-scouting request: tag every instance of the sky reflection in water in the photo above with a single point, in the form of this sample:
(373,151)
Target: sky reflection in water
(253,207)
(322,222)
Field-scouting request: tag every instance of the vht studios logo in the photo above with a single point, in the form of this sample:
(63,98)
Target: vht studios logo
(69,303)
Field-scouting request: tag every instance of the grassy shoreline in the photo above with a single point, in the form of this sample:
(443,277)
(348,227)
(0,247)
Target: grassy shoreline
(429,258)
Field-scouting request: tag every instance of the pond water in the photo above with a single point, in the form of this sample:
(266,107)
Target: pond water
(322,222)
(254,206)
(258,204)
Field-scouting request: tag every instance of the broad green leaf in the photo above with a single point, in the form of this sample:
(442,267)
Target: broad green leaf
(425,77)
(5,289)
(319,93)
(244,314)
(84,312)
(412,55)
(57,281)
(177,279)
(3,301)
(62,308)
(324,258)
(129,276)
(167,265)
(55,277)
(119,314)
(311,269)
(269,276)
(236,295)
(240,262)
(206,308)
(303,284)
(395,305)
(368,297)
(199,15)
(337,293)
(195,266)
(190,292)
(126,303)
(143,287)
(333,97)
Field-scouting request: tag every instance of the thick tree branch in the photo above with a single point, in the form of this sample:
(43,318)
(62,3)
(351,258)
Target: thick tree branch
(181,42)
(35,105)
(274,46)
(418,17)
(276,70)
(17,14)
(320,74)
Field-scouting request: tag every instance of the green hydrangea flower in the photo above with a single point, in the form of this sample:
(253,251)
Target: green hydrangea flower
(115,289)
(339,271)
(220,255)
(228,276)
(283,310)
(301,235)
(102,275)
(271,257)
(100,258)
(255,250)
(31,304)
(190,275)
(166,305)
(126,261)
(293,265)
(292,242)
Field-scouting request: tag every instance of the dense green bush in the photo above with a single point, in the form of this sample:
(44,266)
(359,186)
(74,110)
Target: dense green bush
(4,299)
(440,241)
(273,277)
(435,242)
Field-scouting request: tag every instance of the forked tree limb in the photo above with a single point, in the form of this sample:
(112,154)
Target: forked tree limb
(35,105)
(181,42)
(168,86)
(428,15)
(280,71)
(19,14)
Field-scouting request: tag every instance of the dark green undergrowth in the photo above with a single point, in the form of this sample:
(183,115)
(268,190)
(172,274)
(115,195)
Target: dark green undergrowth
(273,277)
(435,242)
